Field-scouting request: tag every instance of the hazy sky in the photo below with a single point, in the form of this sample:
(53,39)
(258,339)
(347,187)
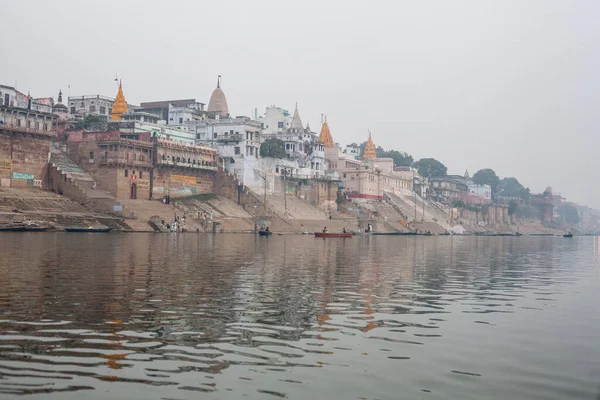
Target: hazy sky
(510,85)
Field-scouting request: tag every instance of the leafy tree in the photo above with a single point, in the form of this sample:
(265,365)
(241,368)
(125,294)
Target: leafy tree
(571,214)
(487,176)
(91,122)
(274,148)
(430,168)
(510,187)
(400,158)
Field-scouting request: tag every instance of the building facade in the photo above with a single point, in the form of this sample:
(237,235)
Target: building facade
(143,168)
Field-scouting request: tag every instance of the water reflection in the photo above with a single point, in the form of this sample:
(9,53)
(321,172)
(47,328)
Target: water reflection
(161,316)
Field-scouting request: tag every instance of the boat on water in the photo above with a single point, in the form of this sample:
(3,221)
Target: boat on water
(88,229)
(23,228)
(265,233)
(333,235)
(568,235)
(395,233)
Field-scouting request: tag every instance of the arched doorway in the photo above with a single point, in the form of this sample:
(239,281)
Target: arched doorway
(134,191)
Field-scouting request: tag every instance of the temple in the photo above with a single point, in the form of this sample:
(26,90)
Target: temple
(120,106)
(218,102)
(325,136)
(370,149)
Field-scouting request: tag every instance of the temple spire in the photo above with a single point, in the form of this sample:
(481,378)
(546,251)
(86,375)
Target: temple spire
(120,105)
(325,135)
(219,81)
(296,121)
(370,149)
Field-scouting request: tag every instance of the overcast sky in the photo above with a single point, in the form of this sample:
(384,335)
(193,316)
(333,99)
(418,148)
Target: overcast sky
(510,85)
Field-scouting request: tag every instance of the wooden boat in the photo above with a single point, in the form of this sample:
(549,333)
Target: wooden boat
(333,235)
(363,233)
(16,228)
(568,235)
(395,233)
(265,233)
(88,229)
(23,228)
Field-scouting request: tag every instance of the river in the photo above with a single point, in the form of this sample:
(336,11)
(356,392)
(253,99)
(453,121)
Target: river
(160,316)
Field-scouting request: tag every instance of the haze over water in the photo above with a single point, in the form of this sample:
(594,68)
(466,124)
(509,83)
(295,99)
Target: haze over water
(237,316)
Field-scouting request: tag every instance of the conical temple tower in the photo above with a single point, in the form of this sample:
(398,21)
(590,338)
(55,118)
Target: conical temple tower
(120,105)
(370,149)
(325,136)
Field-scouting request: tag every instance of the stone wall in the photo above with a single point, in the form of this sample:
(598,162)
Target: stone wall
(23,159)
(181,182)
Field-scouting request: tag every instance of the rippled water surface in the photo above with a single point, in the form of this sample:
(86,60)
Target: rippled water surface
(135,316)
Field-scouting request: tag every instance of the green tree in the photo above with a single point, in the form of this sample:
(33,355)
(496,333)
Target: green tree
(571,214)
(274,148)
(400,158)
(91,122)
(509,187)
(487,176)
(430,168)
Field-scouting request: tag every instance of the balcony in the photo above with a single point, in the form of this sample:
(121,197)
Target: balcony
(231,138)
(182,164)
(119,160)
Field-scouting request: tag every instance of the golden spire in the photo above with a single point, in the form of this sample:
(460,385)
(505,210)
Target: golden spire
(325,136)
(370,149)
(119,106)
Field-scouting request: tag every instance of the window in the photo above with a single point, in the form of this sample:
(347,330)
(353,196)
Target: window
(46,126)
(215,135)
(72,110)
(141,174)
(344,174)
(180,120)
(91,155)
(231,132)
(102,110)
(37,126)
(18,122)
(126,173)
(110,111)
(92,109)
(280,124)
(237,150)
(28,124)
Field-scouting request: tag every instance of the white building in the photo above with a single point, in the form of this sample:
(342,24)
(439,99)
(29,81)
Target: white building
(138,122)
(237,140)
(275,120)
(22,112)
(301,144)
(484,191)
(81,106)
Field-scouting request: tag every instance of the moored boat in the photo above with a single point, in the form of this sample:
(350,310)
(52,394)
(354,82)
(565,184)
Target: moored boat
(88,229)
(264,233)
(333,235)
(568,235)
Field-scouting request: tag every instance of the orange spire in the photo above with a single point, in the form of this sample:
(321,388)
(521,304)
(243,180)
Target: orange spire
(370,149)
(325,136)
(119,106)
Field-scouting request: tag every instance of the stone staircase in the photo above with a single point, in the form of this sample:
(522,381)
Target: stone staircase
(406,205)
(77,184)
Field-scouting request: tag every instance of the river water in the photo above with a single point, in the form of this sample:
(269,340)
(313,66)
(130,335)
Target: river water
(158,316)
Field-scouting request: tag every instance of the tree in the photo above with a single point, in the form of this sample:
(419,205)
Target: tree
(487,176)
(509,187)
(430,168)
(274,148)
(571,214)
(400,158)
(91,122)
